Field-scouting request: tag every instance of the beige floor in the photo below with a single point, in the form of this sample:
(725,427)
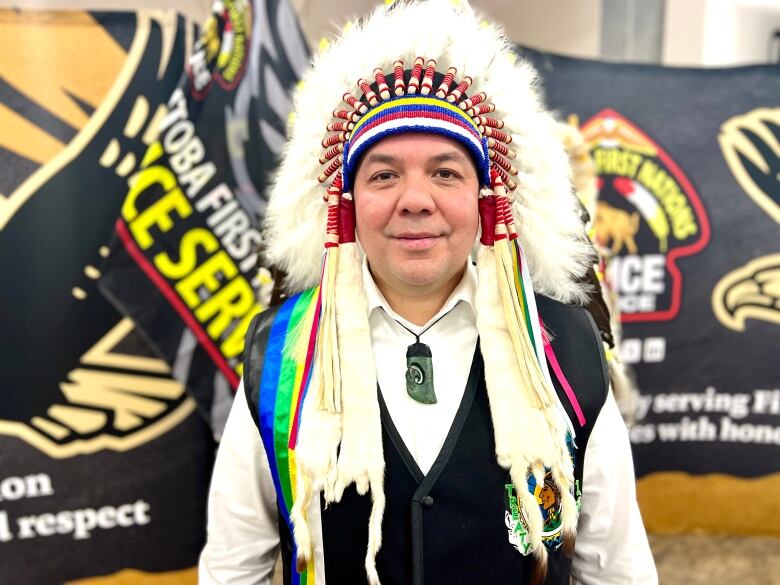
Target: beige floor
(711,560)
(716,560)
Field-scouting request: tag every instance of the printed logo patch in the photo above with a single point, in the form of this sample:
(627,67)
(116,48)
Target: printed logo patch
(649,216)
(221,52)
(548,498)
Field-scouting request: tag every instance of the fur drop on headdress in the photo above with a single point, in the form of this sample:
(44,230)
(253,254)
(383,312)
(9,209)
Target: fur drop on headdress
(544,208)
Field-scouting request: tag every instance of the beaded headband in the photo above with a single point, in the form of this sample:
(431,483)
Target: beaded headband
(448,112)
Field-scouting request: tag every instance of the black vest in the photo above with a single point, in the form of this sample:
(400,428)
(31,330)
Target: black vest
(449,526)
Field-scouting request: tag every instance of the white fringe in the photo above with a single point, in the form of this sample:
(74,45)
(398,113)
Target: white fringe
(527,439)
(361,459)
(319,435)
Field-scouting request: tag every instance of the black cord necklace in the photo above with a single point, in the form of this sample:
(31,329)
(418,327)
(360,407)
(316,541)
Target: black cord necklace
(419,366)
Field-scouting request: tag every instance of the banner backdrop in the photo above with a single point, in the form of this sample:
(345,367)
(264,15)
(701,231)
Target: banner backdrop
(689,206)
(184,260)
(104,462)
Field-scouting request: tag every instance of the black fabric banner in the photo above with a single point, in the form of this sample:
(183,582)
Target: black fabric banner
(689,206)
(104,462)
(184,260)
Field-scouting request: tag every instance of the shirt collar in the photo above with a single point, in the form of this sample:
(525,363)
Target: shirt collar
(465,291)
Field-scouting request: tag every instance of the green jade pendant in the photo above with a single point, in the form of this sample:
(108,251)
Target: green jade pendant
(419,373)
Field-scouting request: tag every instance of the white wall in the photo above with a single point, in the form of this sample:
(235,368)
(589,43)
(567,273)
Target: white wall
(696,32)
(569,27)
(719,32)
(195,9)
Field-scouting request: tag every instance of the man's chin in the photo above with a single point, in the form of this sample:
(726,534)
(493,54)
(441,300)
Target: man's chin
(424,281)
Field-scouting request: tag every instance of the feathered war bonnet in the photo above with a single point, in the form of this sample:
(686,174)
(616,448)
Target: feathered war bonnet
(382,76)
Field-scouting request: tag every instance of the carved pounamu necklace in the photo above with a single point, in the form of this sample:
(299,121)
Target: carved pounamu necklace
(419,366)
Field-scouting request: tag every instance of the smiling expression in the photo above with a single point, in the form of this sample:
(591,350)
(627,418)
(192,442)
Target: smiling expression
(416,211)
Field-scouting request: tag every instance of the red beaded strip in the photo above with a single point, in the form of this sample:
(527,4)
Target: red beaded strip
(398,73)
(427,82)
(329,154)
(479,110)
(330,169)
(368,92)
(359,106)
(340,126)
(502,162)
(344,114)
(488,122)
(381,84)
(332,233)
(501,148)
(456,93)
(489,132)
(414,81)
(473,100)
(334,188)
(446,82)
(346,219)
(487,218)
(334,139)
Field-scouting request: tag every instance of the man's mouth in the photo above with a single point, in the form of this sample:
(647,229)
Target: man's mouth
(417,240)
(416,236)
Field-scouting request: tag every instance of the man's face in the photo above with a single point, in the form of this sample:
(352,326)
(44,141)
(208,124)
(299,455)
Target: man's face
(416,211)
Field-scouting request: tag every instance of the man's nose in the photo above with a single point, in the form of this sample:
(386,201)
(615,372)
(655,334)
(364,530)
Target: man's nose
(416,197)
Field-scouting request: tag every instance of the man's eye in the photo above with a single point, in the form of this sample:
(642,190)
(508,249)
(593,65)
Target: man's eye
(446,174)
(382,176)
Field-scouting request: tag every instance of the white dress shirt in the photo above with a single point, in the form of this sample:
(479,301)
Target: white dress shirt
(452,339)
(243,540)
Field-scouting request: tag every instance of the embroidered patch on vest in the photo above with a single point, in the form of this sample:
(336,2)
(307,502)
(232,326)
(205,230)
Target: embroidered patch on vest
(548,497)
(516,524)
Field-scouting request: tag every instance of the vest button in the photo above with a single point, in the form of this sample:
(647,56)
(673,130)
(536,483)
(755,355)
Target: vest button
(427,501)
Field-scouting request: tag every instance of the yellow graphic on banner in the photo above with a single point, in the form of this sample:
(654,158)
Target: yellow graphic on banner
(107,409)
(134,577)
(618,226)
(106,398)
(751,147)
(749,292)
(723,503)
(621,151)
(26,49)
(70,48)
(203,264)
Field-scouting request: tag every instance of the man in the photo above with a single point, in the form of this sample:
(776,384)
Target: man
(414,419)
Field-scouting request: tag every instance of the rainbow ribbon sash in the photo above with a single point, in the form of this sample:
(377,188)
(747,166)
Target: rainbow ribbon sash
(282,388)
(534,324)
